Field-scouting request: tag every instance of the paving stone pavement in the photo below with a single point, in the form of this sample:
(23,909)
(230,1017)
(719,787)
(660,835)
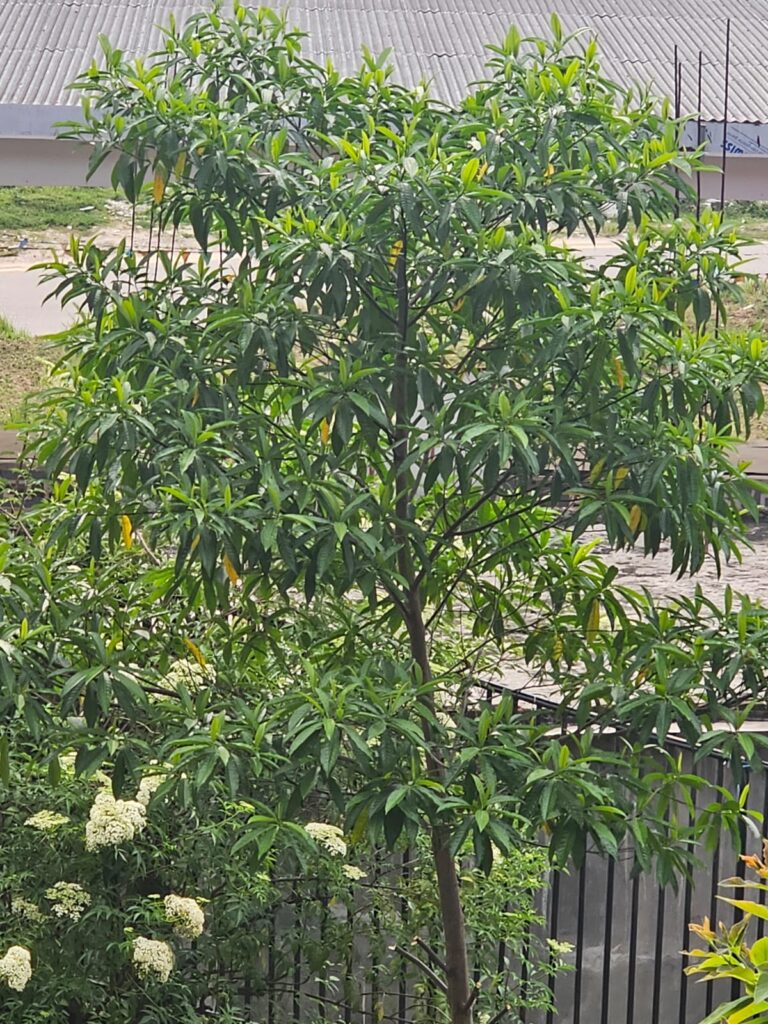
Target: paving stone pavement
(750,576)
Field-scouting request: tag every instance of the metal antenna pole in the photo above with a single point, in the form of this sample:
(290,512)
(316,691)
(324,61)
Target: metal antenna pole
(699,102)
(676,72)
(725,110)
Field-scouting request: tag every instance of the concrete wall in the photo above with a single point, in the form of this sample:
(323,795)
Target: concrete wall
(746,177)
(47,162)
(41,161)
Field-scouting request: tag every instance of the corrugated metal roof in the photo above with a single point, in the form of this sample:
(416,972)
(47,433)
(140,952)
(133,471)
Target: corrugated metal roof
(45,43)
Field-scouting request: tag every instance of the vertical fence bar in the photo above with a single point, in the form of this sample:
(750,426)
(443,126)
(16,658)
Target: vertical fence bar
(579,944)
(687,903)
(713,889)
(402,995)
(523,970)
(297,984)
(374,962)
(632,971)
(607,949)
(741,866)
(658,953)
(271,971)
(553,926)
(322,984)
(761,922)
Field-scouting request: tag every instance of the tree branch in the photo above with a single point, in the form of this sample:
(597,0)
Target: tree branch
(436,980)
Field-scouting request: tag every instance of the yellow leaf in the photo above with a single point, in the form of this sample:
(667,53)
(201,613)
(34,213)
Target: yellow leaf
(229,569)
(197,654)
(195,542)
(557,648)
(550,170)
(127,527)
(597,469)
(195,396)
(395,251)
(181,163)
(620,476)
(158,186)
(593,620)
(635,515)
(457,305)
(619,372)
(482,172)
(325,431)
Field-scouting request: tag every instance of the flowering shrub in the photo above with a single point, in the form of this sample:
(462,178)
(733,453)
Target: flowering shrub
(728,956)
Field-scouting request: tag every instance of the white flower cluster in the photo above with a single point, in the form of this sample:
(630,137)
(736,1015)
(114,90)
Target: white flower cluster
(16,968)
(148,787)
(152,959)
(329,836)
(26,909)
(189,674)
(560,948)
(46,821)
(69,899)
(185,915)
(112,822)
(352,872)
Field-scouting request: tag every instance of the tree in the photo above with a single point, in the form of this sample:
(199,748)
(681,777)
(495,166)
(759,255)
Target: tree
(369,423)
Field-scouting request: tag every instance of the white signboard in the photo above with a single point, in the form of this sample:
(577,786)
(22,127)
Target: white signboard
(741,140)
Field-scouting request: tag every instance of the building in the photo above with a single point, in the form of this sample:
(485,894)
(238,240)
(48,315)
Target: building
(45,43)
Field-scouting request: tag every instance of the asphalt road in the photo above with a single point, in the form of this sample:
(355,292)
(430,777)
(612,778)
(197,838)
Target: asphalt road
(22,298)
(22,295)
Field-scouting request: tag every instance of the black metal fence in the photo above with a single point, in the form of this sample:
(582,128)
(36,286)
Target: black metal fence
(627,933)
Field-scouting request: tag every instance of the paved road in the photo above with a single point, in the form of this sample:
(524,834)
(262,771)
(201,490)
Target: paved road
(22,298)
(22,295)
(755,256)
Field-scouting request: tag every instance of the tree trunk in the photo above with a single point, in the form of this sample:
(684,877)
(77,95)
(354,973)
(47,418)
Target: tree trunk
(451,910)
(454,934)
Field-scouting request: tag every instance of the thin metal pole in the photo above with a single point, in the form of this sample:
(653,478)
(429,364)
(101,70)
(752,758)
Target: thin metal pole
(553,926)
(699,103)
(632,976)
(687,904)
(713,905)
(741,868)
(608,940)
(724,162)
(676,73)
(725,110)
(580,943)
(658,954)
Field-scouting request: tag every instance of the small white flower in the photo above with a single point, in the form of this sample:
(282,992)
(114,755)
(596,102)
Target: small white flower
(69,899)
(16,968)
(560,948)
(26,909)
(329,836)
(152,959)
(475,144)
(112,822)
(189,674)
(352,872)
(185,915)
(148,787)
(47,821)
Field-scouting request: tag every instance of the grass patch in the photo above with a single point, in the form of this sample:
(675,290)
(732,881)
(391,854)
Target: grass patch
(22,370)
(27,209)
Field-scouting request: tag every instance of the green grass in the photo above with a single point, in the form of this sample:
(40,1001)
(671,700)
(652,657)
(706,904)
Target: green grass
(35,209)
(22,370)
